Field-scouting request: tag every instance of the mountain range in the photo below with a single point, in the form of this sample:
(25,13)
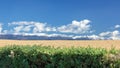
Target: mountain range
(36,37)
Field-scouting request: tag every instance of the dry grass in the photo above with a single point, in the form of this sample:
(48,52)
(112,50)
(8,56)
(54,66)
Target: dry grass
(65,43)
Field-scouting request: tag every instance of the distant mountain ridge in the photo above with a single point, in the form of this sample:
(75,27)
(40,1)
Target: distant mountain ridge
(35,37)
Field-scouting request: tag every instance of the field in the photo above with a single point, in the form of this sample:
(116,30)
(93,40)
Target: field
(108,44)
(81,54)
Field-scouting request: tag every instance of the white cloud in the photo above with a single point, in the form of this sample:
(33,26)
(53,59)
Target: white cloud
(77,27)
(44,34)
(50,29)
(21,23)
(39,27)
(117,26)
(35,27)
(22,28)
(1,28)
(27,28)
(76,37)
(18,29)
(114,35)
(93,37)
(105,33)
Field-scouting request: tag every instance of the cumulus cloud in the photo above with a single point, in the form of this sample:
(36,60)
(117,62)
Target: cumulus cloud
(27,28)
(95,37)
(35,27)
(39,27)
(1,28)
(18,29)
(77,27)
(105,34)
(117,26)
(21,23)
(108,35)
(114,35)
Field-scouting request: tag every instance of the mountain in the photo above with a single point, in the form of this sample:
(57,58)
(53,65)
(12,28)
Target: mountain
(35,37)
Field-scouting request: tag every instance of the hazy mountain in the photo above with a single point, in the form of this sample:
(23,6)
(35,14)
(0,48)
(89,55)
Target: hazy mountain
(35,37)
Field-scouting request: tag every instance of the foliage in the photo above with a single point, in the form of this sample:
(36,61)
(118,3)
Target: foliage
(49,57)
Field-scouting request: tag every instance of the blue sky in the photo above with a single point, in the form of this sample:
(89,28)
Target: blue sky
(57,16)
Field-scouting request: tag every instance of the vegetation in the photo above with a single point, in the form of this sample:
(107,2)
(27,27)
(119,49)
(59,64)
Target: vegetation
(50,57)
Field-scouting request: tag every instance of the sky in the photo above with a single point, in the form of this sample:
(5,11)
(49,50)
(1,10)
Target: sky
(99,19)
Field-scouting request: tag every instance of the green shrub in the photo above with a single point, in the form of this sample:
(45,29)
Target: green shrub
(49,57)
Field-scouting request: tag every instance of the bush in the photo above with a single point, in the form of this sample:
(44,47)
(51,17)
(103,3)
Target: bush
(48,57)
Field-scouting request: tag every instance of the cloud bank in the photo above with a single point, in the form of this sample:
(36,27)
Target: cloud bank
(75,29)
